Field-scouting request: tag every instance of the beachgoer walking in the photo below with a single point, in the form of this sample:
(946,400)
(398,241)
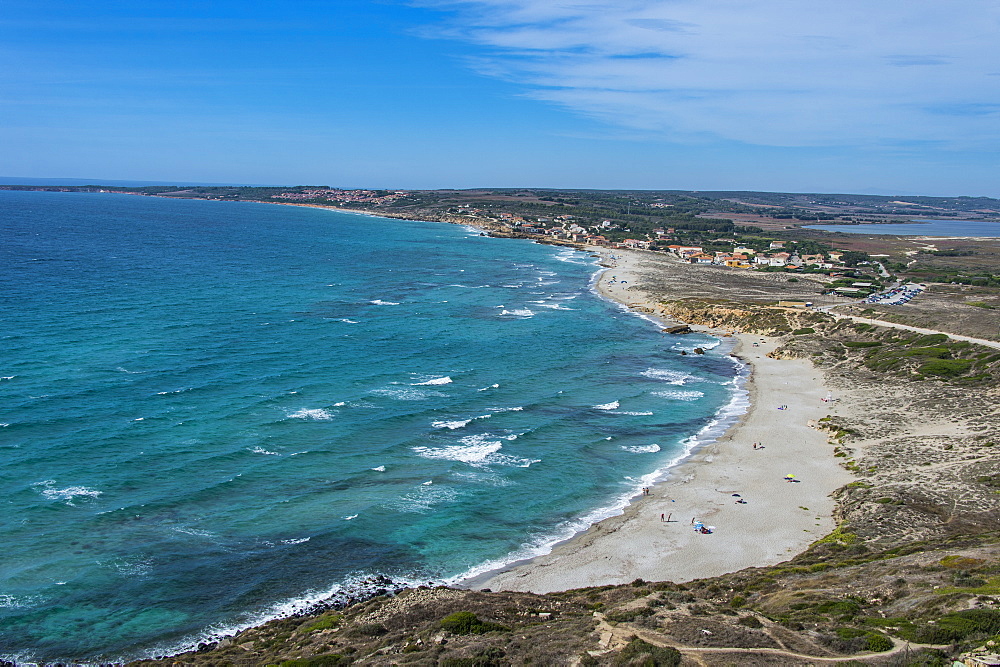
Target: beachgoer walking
(662,519)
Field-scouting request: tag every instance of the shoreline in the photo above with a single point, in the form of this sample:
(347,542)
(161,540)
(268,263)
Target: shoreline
(780,518)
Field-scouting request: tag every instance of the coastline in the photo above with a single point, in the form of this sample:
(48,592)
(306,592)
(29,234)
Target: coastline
(780,518)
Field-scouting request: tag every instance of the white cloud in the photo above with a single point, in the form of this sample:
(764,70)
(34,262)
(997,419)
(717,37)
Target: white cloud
(772,72)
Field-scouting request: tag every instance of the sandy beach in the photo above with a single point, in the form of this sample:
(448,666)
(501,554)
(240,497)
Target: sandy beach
(779,517)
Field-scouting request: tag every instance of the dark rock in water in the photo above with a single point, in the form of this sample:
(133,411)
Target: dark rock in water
(684,352)
(680,329)
(699,350)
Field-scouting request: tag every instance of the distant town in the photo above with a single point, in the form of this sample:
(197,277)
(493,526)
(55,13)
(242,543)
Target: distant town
(748,231)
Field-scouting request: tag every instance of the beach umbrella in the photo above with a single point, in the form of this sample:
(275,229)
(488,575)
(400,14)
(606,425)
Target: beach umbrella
(789,476)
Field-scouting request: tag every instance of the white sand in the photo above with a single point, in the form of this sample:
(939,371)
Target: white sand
(779,519)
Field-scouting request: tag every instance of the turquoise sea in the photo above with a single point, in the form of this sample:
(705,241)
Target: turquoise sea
(216,413)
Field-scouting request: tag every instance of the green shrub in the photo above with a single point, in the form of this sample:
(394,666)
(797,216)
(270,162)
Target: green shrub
(877,642)
(324,622)
(467,623)
(803,331)
(369,630)
(945,367)
(638,652)
(491,657)
(960,625)
(629,615)
(850,633)
(846,608)
(331,660)
(750,621)
(862,343)
(934,352)
(931,339)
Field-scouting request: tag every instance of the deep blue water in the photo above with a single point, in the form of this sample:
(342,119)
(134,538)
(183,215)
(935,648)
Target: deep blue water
(214,412)
(920,228)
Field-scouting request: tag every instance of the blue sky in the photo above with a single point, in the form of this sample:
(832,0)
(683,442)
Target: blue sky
(888,97)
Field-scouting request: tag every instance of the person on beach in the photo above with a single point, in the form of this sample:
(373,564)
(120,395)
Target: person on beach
(661,518)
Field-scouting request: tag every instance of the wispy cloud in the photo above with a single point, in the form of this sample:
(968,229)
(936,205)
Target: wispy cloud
(771,72)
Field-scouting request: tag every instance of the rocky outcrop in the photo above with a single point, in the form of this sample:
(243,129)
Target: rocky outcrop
(738,317)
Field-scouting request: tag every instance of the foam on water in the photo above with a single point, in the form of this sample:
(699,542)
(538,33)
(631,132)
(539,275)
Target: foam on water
(642,449)
(474,452)
(407,394)
(679,394)
(478,450)
(549,304)
(425,498)
(517,312)
(613,405)
(668,376)
(457,423)
(68,494)
(380,302)
(318,414)
(434,381)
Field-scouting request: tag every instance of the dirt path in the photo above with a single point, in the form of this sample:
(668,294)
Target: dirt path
(883,323)
(616,637)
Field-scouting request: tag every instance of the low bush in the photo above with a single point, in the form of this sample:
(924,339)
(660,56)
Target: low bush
(961,625)
(945,367)
(332,660)
(629,615)
(931,339)
(467,623)
(934,352)
(324,623)
(491,657)
(369,630)
(638,652)
(877,642)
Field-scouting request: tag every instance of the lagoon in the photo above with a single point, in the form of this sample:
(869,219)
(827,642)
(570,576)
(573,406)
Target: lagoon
(977,228)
